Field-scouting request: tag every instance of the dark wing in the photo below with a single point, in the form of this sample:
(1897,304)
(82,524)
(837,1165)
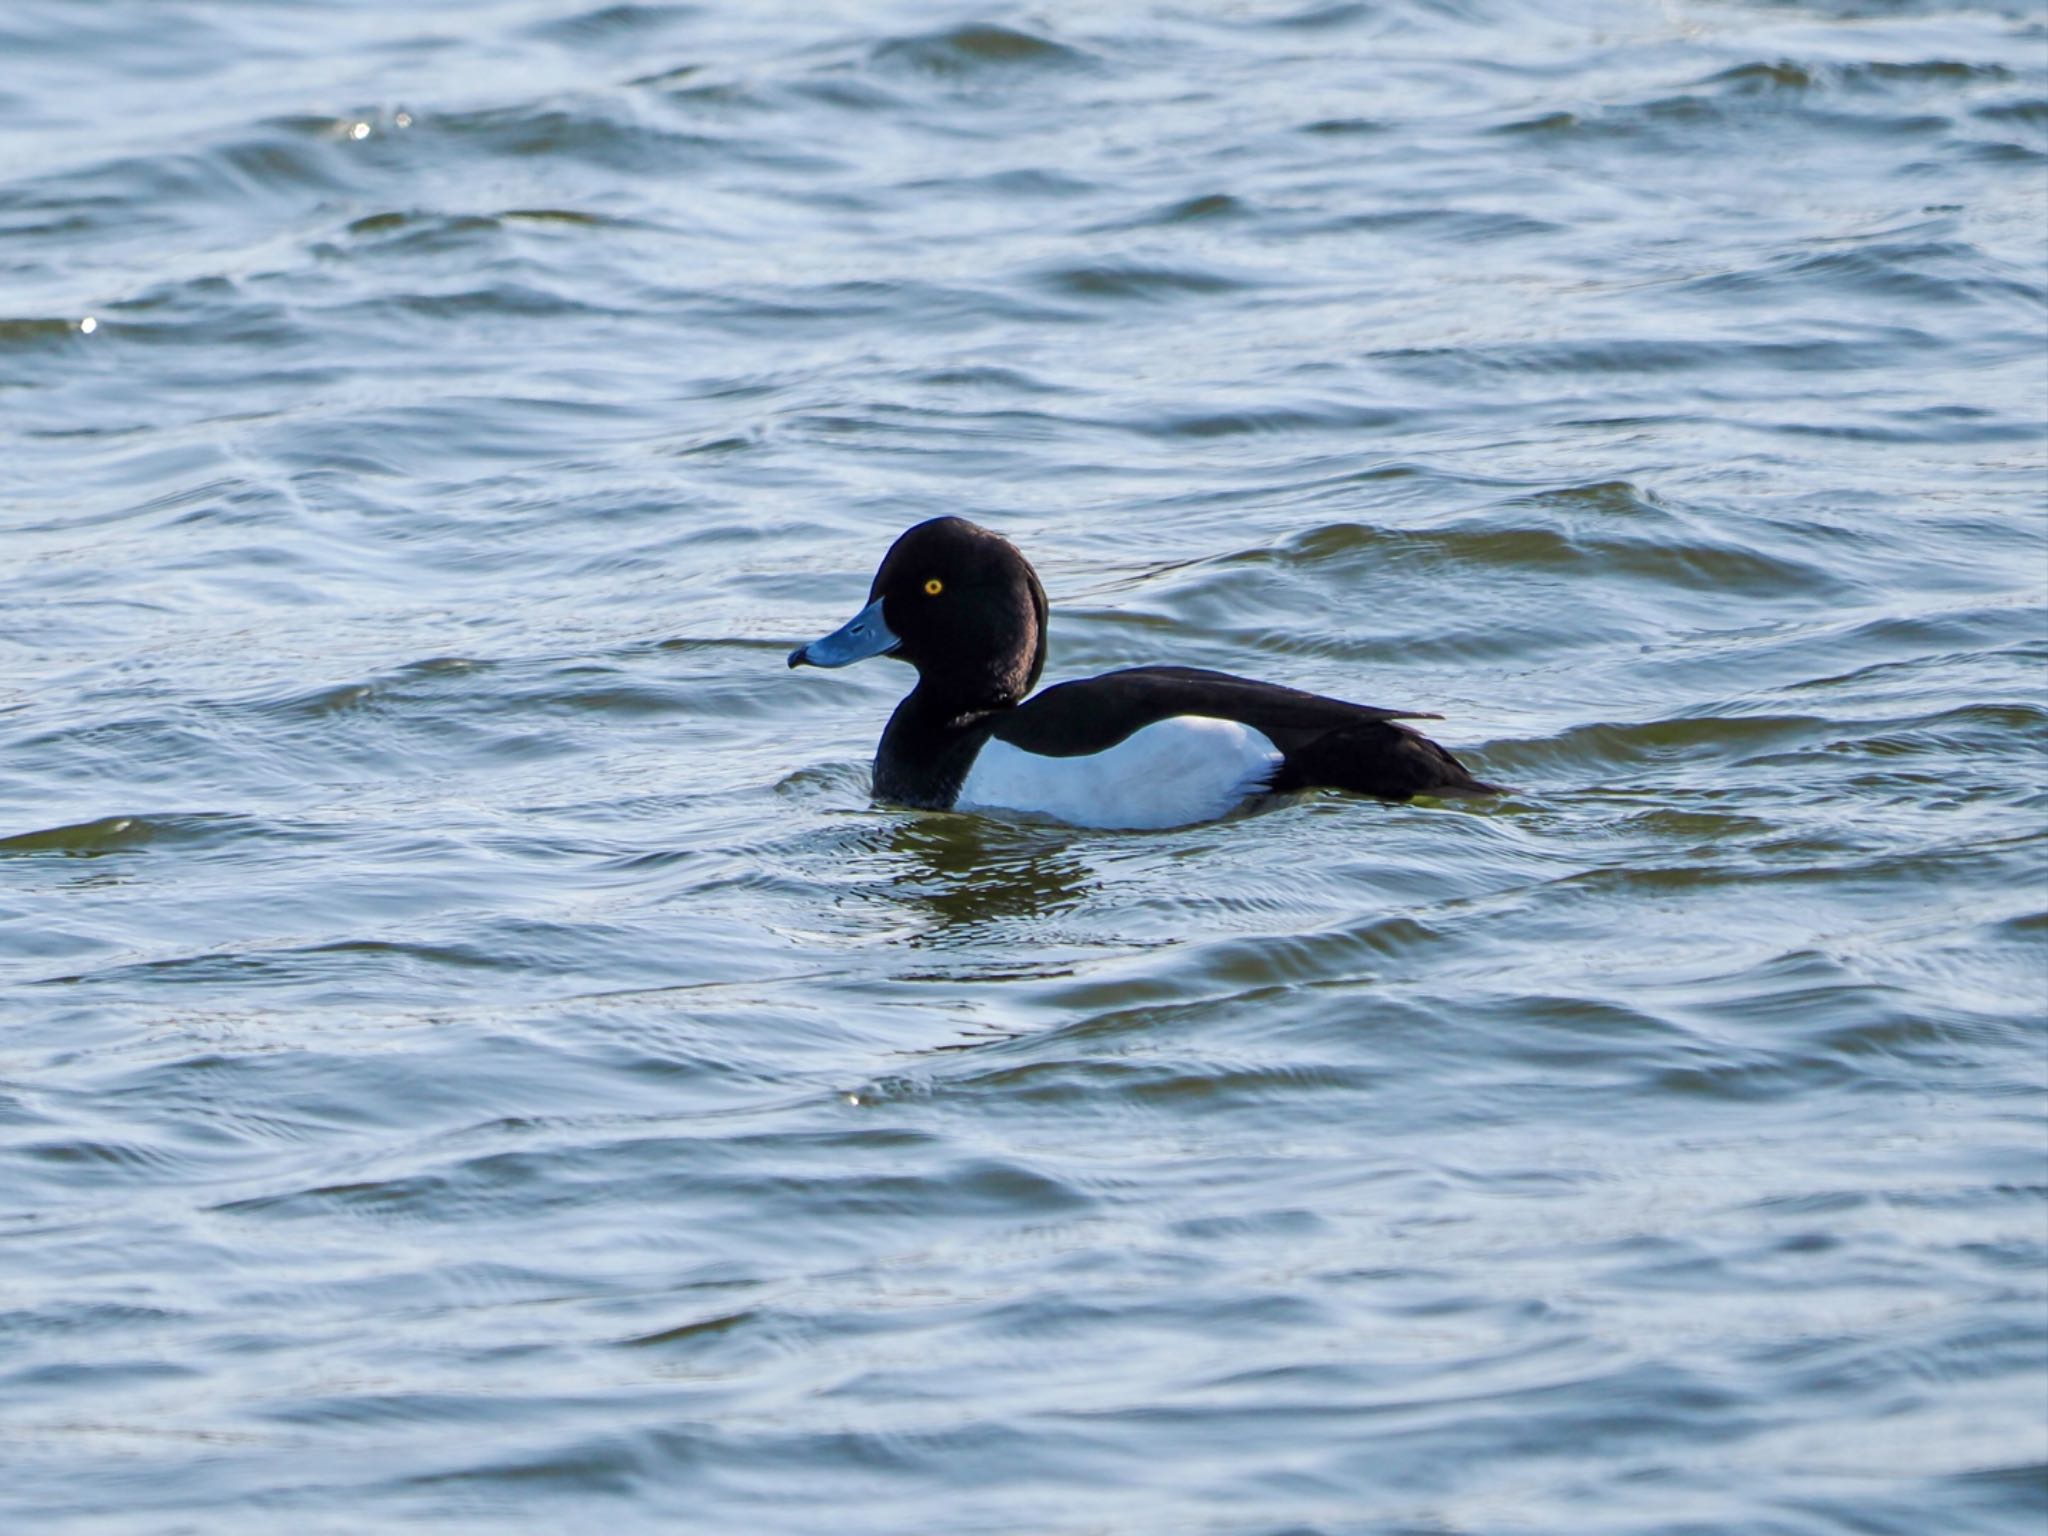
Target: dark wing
(1095,713)
(1327,743)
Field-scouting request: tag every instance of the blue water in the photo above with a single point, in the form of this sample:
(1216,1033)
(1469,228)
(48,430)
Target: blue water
(473,1058)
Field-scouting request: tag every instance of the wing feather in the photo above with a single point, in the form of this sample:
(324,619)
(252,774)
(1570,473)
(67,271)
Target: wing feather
(1325,742)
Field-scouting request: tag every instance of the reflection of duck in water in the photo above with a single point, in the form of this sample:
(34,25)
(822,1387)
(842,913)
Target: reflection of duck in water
(1143,747)
(969,873)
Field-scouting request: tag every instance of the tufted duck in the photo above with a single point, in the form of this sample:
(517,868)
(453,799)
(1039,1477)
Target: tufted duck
(1142,747)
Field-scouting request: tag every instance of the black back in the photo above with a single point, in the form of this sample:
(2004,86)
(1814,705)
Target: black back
(1325,743)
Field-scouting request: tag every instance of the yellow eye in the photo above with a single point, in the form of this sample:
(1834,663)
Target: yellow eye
(934,587)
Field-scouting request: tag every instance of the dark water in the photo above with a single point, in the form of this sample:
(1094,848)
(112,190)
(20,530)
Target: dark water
(473,1058)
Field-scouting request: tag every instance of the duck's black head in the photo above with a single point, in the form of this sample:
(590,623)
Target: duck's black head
(958,603)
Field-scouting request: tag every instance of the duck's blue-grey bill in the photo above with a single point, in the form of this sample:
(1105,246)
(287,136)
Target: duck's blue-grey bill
(860,637)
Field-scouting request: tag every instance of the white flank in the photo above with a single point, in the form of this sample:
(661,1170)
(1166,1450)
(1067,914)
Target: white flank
(1176,771)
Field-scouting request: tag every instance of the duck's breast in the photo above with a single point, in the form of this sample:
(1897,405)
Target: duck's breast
(1184,769)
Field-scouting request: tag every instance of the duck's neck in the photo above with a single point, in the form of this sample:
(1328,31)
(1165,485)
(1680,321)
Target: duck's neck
(928,747)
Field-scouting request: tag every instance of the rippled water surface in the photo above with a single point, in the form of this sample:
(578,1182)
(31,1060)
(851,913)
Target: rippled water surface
(475,1060)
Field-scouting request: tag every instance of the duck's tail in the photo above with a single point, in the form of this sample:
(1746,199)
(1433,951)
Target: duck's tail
(1381,759)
